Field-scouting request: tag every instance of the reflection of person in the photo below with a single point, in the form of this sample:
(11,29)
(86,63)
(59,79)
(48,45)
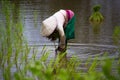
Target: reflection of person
(60,25)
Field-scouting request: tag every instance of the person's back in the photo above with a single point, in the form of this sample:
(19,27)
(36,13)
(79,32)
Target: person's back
(58,26)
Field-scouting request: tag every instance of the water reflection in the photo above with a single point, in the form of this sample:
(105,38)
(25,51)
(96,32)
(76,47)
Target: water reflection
(33,12)
(90,41)
(82,8)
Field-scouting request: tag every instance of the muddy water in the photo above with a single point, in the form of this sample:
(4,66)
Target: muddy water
(88,42)
(36,11)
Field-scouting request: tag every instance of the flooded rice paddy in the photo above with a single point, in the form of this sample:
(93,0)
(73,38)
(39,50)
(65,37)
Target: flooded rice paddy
(88,42)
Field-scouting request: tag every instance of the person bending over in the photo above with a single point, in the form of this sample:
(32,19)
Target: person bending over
(59,26)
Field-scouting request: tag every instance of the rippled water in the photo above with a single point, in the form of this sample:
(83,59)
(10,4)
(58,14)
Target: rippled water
(82,8)
(35,11)
(87,42)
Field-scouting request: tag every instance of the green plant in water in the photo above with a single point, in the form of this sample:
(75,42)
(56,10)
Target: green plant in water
(14,53)
(107,70)
(12,50)
(96,17)
(116,35)
(42,69)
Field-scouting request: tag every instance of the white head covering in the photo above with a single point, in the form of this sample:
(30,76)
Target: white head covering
(49,24)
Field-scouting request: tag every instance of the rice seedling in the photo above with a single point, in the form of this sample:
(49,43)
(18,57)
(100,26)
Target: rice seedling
(96,18)
(11,42)
(14,52)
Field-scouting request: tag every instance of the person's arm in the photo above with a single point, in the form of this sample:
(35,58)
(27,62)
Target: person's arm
(62,38)
(60,23)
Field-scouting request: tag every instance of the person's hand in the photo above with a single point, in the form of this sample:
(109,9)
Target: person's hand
(61,49)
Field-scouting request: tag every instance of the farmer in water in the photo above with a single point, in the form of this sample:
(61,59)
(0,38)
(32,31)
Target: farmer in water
(59,26)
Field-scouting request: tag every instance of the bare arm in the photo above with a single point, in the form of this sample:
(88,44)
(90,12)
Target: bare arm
(60,22)
(62,39)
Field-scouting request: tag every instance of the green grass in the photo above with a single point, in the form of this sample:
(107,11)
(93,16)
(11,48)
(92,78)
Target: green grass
(14,52)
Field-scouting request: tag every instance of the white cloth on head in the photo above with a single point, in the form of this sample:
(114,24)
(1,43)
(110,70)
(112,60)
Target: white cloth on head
(48,26)
(56,21)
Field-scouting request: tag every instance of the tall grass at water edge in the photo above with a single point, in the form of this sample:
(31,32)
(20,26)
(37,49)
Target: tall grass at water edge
(14,52)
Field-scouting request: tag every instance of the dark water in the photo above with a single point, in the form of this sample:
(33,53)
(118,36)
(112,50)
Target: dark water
(88,43)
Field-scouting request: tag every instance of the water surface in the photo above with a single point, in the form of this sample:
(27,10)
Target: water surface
(87,42)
